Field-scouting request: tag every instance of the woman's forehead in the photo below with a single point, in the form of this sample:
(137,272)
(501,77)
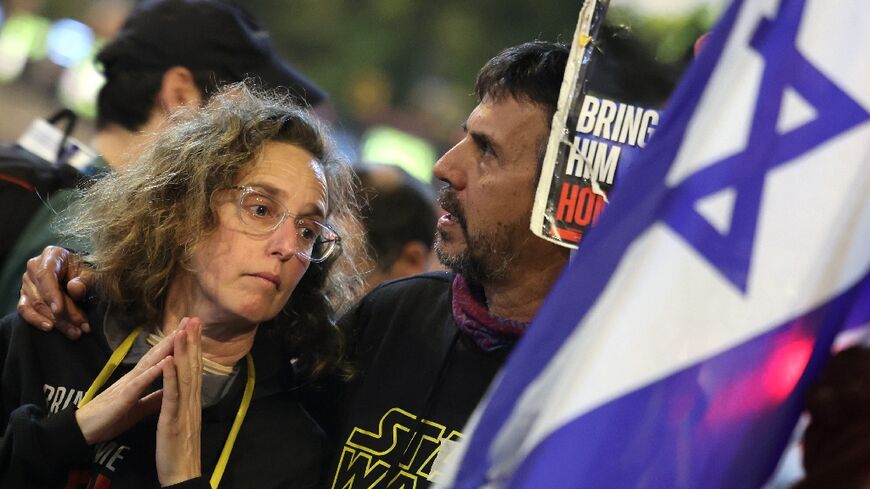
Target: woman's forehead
(289,173)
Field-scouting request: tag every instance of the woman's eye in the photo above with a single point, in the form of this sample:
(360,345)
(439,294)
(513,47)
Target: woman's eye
(259,210)
(260,206)
(307,231)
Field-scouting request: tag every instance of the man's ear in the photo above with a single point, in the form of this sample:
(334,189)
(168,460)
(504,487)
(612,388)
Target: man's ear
(178,89)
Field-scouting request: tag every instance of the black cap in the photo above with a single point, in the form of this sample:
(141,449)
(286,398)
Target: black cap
(211,35)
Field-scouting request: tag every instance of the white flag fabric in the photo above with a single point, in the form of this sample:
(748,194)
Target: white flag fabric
(675,349)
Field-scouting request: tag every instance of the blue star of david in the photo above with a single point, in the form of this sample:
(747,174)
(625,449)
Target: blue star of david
(784,66)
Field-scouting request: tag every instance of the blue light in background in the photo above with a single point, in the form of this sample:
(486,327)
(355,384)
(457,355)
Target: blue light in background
(69,41)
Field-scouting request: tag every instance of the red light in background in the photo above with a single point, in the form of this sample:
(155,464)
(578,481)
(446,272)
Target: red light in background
(784,368)
(766,387)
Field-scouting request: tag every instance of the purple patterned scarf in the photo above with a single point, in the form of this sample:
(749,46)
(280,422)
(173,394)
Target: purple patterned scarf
(473,318)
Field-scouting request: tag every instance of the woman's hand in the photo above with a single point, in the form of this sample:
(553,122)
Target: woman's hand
(122,405)
(178,429)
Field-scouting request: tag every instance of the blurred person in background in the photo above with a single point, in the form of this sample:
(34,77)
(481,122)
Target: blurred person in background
(169,54)
(836,444)
(399,215)
(218,264)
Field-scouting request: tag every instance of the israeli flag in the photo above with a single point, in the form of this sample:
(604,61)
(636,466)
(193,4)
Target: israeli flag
(675,349)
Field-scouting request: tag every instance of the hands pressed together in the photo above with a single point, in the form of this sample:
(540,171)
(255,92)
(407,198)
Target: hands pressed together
(178,428)
(177,357)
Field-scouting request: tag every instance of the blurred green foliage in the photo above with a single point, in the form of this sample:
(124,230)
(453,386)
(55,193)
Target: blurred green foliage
(338,42)
(671,38)
(378,51)
(341,42)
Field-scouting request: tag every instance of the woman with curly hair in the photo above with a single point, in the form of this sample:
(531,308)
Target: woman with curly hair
(221,261)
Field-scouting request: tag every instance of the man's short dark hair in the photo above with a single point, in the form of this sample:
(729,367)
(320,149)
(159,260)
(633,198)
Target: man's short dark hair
(127,98)
(396,209)
(219,41)
(531,72)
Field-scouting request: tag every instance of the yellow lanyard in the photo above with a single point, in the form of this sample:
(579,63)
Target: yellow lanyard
(119,355)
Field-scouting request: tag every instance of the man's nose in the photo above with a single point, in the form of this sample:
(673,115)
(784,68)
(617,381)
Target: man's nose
(450,168)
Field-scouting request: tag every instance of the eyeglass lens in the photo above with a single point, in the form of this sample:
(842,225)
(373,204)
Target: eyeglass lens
(263,215)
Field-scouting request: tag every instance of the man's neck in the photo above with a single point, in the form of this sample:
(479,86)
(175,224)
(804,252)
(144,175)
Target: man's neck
(520,295)
(119,146)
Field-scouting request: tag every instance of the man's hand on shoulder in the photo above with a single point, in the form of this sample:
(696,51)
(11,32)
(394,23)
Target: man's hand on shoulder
(44,303)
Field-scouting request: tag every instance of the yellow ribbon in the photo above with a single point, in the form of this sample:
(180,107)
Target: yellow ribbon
(110,366)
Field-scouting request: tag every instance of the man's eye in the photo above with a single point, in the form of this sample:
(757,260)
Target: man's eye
(484,145)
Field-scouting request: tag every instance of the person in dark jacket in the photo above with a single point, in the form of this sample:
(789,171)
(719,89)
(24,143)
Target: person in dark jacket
(217,266)
(836,444)
(427,347)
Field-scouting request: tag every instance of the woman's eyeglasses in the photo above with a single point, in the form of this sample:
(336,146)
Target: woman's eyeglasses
(263,214)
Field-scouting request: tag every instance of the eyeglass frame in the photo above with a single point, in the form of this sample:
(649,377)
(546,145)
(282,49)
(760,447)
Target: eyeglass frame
(335,243)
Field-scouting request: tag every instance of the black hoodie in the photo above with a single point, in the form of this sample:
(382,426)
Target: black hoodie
(419,380)
(44,375)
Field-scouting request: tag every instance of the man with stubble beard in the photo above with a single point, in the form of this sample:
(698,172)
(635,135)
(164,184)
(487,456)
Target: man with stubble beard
(426,347)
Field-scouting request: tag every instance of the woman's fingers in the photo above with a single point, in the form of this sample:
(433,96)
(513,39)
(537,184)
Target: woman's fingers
(136,384)
(169,404)
(194,339)
(158,352)
(123,404)
(193,345)
(117,408)
(188,354)
(178,429)
(152,402)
